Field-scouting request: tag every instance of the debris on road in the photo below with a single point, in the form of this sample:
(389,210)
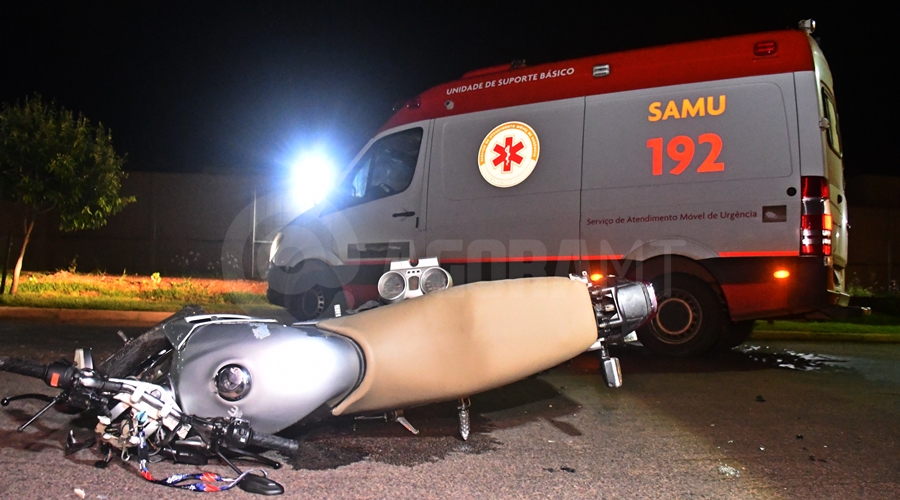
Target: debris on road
(729,471)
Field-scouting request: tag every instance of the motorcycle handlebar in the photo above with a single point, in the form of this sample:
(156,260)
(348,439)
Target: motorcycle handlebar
(272,442)
(23,367)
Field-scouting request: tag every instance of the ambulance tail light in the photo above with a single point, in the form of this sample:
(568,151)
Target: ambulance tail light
(815,217)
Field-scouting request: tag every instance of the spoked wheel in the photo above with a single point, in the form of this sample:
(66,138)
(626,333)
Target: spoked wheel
(690,318)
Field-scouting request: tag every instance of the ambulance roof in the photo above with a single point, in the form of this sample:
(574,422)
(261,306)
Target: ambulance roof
(708,60)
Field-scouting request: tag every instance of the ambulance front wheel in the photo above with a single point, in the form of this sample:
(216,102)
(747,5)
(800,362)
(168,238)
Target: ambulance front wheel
(309,304)
(690,317)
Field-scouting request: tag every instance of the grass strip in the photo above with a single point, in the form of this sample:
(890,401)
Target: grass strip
(231,305)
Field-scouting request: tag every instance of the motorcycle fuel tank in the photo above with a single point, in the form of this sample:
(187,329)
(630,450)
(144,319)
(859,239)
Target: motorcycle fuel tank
(269,374)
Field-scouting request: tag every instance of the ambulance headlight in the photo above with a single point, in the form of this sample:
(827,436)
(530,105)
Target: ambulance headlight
(312,177)
(435,279)
(391,286)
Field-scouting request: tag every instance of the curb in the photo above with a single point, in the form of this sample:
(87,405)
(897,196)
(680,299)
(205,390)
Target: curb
(874,338)
(88,317)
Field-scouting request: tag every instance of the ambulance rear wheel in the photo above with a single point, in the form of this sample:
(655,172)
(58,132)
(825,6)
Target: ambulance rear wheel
(689,321)
(736,334)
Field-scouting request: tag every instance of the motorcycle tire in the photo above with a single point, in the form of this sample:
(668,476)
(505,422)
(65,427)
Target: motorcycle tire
(689,321)
(143,350)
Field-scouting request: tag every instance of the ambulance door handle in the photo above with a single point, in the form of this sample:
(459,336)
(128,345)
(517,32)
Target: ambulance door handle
(404,214)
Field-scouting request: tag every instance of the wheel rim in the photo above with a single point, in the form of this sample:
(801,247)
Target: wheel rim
(678,318)
(312,301)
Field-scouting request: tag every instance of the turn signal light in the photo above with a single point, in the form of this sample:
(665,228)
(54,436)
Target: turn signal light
(596,277)
(782,274)
(766,48)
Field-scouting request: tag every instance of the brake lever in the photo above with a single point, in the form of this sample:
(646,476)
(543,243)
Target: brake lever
(40,397)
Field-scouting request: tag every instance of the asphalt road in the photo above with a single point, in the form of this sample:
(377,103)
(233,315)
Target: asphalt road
(771,420)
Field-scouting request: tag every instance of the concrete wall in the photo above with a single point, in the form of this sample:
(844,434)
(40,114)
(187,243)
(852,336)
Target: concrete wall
(874,206)
(177,226)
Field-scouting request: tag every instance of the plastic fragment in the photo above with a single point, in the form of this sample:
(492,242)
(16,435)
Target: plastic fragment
(79,492)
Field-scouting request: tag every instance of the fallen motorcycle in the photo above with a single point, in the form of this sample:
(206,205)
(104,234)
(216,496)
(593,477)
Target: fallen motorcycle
(200,385)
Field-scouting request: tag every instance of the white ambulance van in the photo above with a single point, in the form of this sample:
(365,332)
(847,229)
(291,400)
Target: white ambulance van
(712,169)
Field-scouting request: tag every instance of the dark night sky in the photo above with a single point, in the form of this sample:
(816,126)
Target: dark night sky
(189,86)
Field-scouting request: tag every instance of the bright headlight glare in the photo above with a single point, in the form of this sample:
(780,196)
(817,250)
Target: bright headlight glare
(435,279)
(311,178)
(391,286)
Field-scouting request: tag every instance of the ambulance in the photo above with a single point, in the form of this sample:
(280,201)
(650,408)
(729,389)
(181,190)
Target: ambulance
(712,169)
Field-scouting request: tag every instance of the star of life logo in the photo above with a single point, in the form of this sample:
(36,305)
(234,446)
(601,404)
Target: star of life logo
(508,154)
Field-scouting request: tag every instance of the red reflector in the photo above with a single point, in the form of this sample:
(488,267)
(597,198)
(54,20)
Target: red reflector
(766,48)
(814,187)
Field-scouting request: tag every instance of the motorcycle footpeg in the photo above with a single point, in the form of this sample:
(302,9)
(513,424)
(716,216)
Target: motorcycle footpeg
(465,423)
(612,372)
(397,416)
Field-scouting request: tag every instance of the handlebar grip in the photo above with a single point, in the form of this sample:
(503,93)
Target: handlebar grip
(22,367)
(271,442)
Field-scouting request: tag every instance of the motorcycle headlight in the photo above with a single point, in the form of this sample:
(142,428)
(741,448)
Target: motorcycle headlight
(435,279)
(391,286)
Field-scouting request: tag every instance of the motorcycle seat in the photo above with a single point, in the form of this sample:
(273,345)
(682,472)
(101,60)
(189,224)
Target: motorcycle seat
(464,340)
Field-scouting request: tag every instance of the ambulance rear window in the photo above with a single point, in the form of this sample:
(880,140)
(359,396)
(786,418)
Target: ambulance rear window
(833,134)
(385,169)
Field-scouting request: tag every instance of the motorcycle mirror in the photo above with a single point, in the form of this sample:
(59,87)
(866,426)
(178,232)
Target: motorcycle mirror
(253,483)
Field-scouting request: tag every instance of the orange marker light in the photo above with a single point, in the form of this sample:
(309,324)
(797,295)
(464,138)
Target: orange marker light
(596,277)
(782,274)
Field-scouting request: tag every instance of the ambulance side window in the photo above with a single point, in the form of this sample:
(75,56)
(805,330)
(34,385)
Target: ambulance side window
(387,168)
(833,134)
